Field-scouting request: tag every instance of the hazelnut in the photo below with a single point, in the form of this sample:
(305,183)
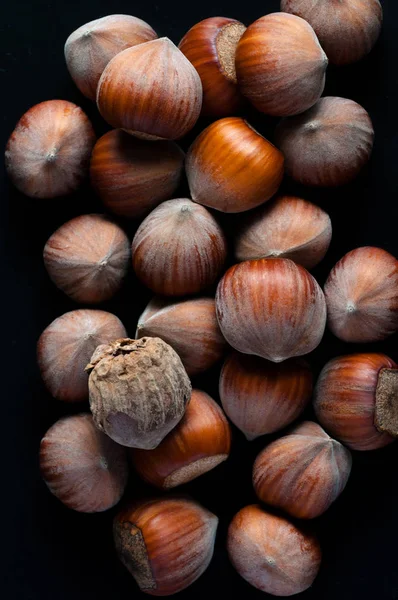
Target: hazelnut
(347,29)
(280,65)
(132,176)
(261,397)
(286,227)
(356,400)
(362,296)
(151,90)
(329,144)
(272,308)
(199,443)
(179,249)
(271,553)
(87,258)
(211,47)
(189,326)
(66,346)
(81,466)
(89,49)
(165,543)
(48,153)
(232,168)
(139,390)
(302,473)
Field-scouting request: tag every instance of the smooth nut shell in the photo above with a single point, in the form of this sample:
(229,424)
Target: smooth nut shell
(199,443)
(89,49)
(280,65)
(303,472)
(347,29)
(48,153)
(189,326)
(232,168)
(329,144)
(287,227)
(151,89)
(81,466)
(272,308)
(132,176)
(271,553)
(88,258)
(362,296)
(261,397)
(165,543)
(179,249)
(211,46)
(66,346)
(139,390)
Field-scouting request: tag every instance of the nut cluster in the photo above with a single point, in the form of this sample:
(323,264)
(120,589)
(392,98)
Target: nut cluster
(257,308)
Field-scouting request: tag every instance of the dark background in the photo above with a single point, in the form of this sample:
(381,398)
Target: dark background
(50,552)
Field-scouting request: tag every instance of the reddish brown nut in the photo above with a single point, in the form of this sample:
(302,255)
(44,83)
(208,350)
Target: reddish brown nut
(139,391)
(66,346)
(280,65)
(272,308)
(199,443)
(347,29)
(232,168)
(179,249)
(211,47)
(151,90)
(271,553)
(287,227)
(81,466)
(356,400)
(329,144)
(87,258)
(261,397)
(49,150)
(165,543)
(302,473)
(362,296)
(89,49)
(132,176)
(189,326)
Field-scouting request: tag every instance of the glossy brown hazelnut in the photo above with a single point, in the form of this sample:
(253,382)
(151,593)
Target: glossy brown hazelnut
(89,49)
(66,346)
(271,553)
(151,90)
(329,144)
(88,258)
(189,326)
(287,227)
(138,390)
(272,308)
(356,400)
(261,397)
(199,443)
(48,153)
(179,249)
(232,168)
(165,543)
(362,296)
(211,47)
(302,473)
(81,466)
(280,65)
(347,29)
(132,176)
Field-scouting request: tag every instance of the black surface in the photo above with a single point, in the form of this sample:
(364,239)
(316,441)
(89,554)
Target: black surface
(52,553)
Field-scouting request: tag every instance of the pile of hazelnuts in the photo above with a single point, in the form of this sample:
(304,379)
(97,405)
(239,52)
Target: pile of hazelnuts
(268,310)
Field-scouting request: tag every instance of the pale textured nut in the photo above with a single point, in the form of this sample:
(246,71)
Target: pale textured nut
(139,390)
